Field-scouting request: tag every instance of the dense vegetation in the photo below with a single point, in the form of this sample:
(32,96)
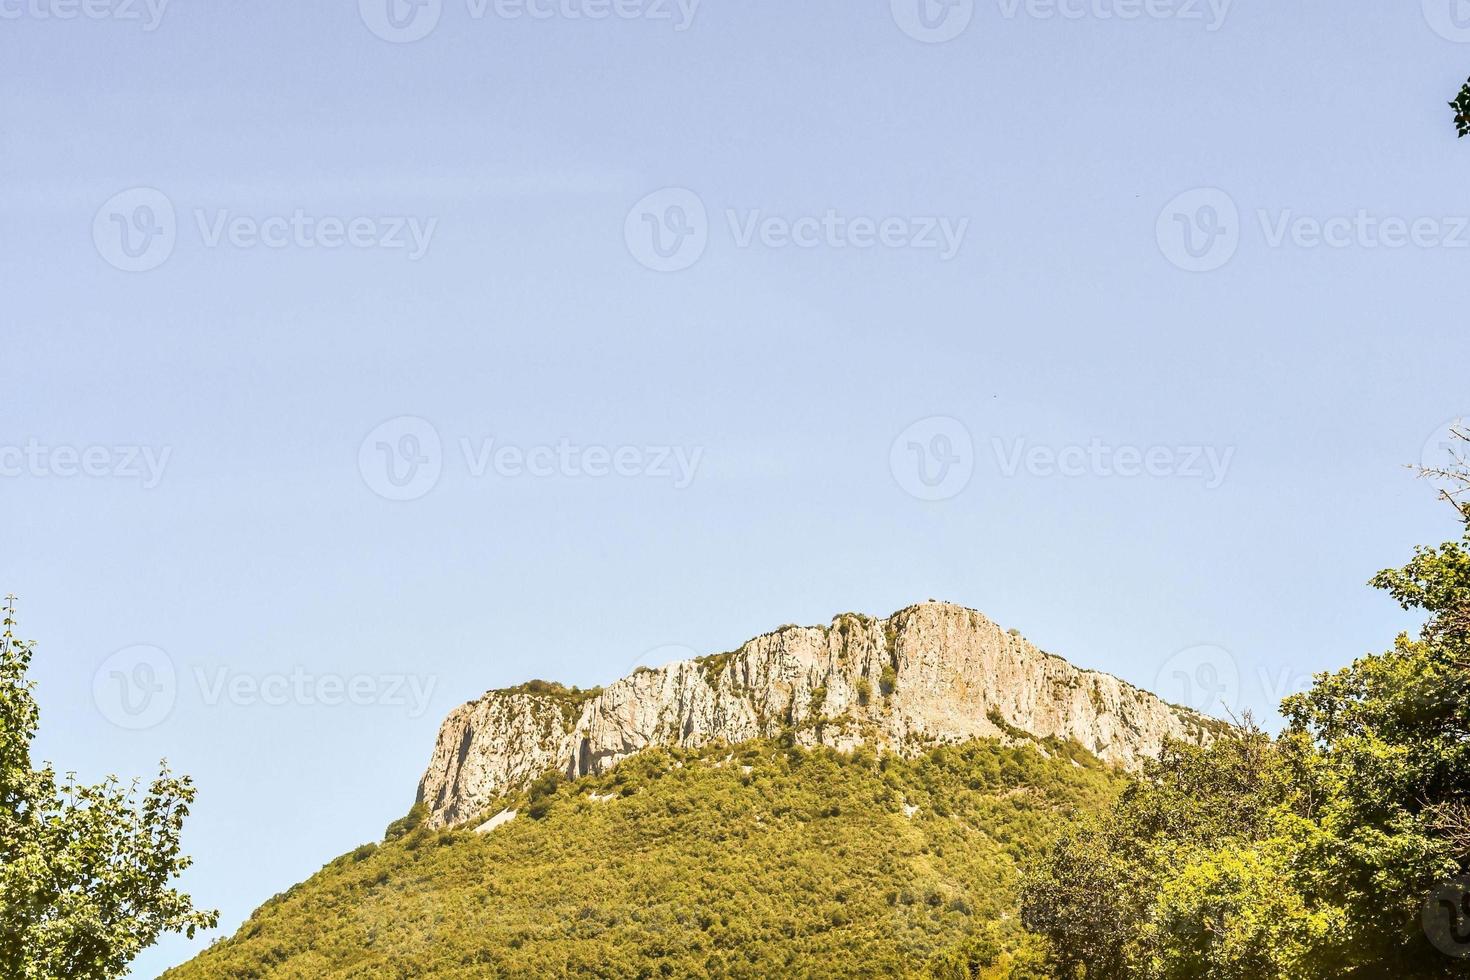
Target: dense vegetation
(1338,850)
(759,860)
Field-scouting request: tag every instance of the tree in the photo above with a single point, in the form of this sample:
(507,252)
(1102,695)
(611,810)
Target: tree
(1461,105)
(1339,849)
(85,871)
(1155,887)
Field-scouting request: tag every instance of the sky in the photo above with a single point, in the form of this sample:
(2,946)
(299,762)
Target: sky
(356,360)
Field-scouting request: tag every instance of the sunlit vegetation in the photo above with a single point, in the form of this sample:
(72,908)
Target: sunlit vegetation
(758,860)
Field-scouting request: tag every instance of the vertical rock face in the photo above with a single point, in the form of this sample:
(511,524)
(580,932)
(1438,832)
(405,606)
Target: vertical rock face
(927,674)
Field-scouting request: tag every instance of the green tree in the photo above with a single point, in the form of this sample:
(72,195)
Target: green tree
(1128,894)
(1382,749)
(1315,854)
(85,871)
(1461,105)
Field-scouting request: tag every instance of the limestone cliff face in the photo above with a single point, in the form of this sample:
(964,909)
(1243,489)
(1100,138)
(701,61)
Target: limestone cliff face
(927,674)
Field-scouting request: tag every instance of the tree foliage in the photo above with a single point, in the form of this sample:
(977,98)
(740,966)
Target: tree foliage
(1315,854)
(85,871)
(1461,105)
(758,860)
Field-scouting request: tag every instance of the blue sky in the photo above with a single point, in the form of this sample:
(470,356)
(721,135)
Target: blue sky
(347,377)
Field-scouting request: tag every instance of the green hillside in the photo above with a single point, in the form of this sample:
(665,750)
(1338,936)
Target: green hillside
(759,860)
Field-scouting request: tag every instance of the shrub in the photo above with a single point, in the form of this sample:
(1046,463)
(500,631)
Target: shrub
(806,866)
(407,823)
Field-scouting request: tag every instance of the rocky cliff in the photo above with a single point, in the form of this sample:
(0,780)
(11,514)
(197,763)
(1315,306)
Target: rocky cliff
(931,673)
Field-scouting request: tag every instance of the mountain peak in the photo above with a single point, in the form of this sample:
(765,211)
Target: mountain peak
(930,673)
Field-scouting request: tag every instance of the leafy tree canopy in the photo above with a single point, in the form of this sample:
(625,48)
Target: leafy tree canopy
(85,871)
(1339,849)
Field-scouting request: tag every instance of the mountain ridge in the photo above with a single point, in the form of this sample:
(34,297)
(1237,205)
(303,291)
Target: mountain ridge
(929,674)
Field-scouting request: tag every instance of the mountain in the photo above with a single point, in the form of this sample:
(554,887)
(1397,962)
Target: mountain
(929,674)
(850,800)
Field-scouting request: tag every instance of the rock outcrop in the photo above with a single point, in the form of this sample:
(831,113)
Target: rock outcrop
(928,674)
